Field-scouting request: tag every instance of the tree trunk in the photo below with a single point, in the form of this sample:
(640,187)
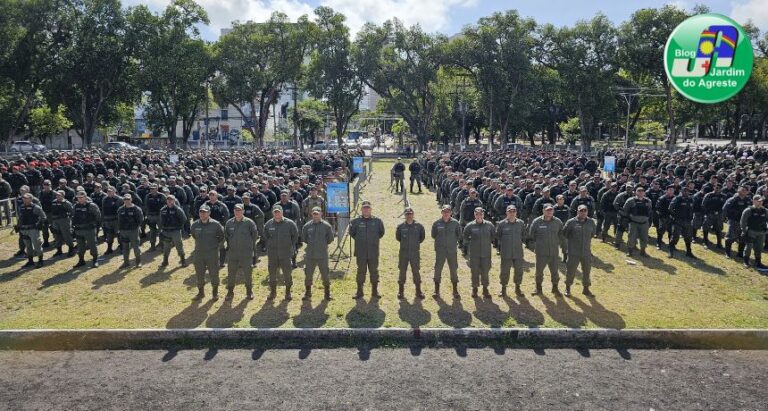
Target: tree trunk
(670,116)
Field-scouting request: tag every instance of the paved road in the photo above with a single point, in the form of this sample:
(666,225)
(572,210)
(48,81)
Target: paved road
(434,379)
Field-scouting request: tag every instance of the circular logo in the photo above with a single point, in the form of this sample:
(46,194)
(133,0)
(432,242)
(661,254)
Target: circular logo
(708,58)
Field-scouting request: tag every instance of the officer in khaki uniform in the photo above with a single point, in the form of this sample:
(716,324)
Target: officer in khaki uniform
(253,212)
(85,218)
(172,220)
(578,232)
(281,236)
(31,218)
(128,223)
(317,234)
(545,231)
(446,232)
(241,235)
(410,234)
(638,210)
(478,238)
(753,227)
(367,232)
(61,224)
(209,238)
(510,234)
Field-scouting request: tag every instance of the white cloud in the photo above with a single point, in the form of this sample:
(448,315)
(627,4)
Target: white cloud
(432,15)
(755,11)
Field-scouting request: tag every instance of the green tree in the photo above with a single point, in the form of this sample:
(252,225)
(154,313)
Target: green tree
(44,122)
(401,65)
(175,66)
(332,73)
(309,118)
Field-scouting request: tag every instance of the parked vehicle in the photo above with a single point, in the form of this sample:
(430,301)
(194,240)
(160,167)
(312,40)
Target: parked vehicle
(26,147)
(119,145)
(367,143)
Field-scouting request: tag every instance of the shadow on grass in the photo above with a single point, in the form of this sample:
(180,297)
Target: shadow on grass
(311,317)
(227,315)
(366,314)
(453,315)
(192,316)
(563,313)
(700,265)
(10,276)
(65,277)
(158,276)
(598,314)
(601,265)
(489,312)
(524,313)
(271,315)
(414,313)
(112,278)
(655,264)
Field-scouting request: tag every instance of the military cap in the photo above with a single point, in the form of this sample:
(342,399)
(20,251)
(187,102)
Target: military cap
(479,210)
(445,207)
(238,206)
(366,203)
(277,208)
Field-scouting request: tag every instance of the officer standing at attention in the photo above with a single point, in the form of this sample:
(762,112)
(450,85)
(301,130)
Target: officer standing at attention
(478,238)
(398,173)
(410,234)
(31,218)
(85,219)
(681,211)
(753,226)
(367,232)
(510,233)
(467,212)
(578,231)
(220,213)
(172,220)
(209,238)
(415,169)
(622,222)
(733,208)
(639,211)
(61,224)
(291,212)
(128,223)
(662,213)
(281,236)
(446,232)
(109,206)
(253,212)
(241,235)
(317,234)
(545,231)
(154,201)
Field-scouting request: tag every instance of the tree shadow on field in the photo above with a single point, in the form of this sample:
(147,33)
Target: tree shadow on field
(563,313)
(192,316)
(600,315)
(311,317)
(158,276)
(414,314)
(114,277)
(271,315)
(366,314)
(65,277)
(453,315)
(227,315)
(524,313)
(489,313)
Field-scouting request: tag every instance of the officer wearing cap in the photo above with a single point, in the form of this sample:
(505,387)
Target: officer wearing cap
(47,197)
(61,224)
(253,212)
(231,199)
(467,211)
(31,218)
(545,231)
(313,201)
(578,231)
(446,232)
(622,223)
(317,234)
(241,235)
(128,222)
(479,235)
(85,218)
(154,202)
(281,236)
(367,232)
(510,234)
(639,210)
(754,221)
(220,213)
(501,205)
(662,214)
(608,216)
(209,238)
(681,212)
(410,234)
(172,220)
(398,175)
(109,206)
(292,212)
(734,208)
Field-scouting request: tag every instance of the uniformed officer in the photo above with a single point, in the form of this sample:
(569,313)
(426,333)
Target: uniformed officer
(317,234)
(467,212)
(681,212)
(281,236)
(292,212)
(713,221)
(309,204)
(410,234)
(562,213)
(638,210)
(30,222)
(478,238)
(171,221)
(128,224)
(734,207)
(241,235)
(608,215)
(61,224)
(754,222)
(85,219)
(109,206)
(509,198)
(578,231)
(415,169)
(47,197)
(209,238)
(398,173)
(446,232)
(253,212)
(367,232)
(622,223)
(545,231)
(220,213)
(664,219)
(154,202)
(510,233)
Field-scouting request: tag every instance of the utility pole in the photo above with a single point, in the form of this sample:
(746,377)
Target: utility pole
(629,94)
(296,139)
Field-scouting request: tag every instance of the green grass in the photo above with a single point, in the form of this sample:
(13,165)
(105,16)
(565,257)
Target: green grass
(657,292)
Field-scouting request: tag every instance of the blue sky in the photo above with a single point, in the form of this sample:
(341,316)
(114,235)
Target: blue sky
(449,16)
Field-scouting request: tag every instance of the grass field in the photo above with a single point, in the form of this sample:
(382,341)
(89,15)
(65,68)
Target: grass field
(656,292)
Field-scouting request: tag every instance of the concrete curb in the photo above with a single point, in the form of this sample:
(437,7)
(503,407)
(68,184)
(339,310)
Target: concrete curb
(95,339)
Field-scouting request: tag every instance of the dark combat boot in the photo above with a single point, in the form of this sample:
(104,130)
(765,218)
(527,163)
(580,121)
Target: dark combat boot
(503,292)
(538,291)
(401,291)
(30,263)
(200,294)
(436,294)
(359,293)
(456,291)
(419,294)
(486,293)
(215,292)
(249,293)
(375,290)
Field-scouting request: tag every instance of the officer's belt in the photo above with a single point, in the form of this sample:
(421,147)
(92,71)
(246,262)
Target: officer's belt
(84,227)
(27,227)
